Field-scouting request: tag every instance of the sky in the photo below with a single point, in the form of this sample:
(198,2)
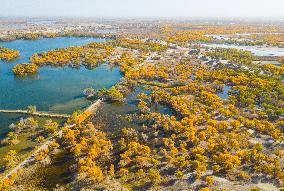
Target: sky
(143,8)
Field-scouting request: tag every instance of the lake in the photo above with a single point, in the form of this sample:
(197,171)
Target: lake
(53,89)
(256,50)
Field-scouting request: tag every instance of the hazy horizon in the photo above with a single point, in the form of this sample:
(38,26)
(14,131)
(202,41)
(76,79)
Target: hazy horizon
(143,8)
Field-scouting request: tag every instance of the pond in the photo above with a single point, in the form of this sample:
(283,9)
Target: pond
(53,89)
(225,92)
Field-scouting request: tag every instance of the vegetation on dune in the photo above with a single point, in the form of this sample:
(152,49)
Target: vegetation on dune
(6,183)
(89,55)
(203,138)
(182,33)
(30,129)
(142,45)
(268,39)
(233,55)
(112,94)
(205,133)
(37,35)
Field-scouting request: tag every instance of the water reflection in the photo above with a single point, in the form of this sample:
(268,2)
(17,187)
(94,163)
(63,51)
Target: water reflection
(52,89)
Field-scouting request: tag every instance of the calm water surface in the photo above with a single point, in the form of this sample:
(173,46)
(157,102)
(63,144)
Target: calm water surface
(52,89)
(225,93)
(256,50)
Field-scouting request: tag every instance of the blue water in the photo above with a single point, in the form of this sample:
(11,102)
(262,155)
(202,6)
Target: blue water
(52,89)
(225,93)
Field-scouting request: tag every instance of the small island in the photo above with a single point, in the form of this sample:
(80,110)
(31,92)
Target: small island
(25,68)
(7,54)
